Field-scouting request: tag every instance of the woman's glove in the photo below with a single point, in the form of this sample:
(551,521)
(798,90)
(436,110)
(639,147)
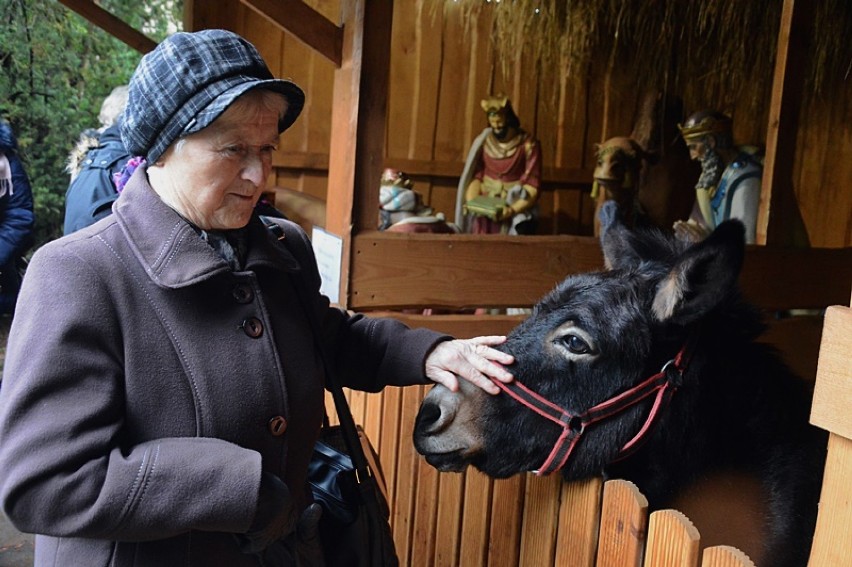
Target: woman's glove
(273,519)
(301,548)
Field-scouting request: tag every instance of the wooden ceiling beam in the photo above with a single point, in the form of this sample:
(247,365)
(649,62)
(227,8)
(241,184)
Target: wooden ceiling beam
(111,24)
(308,25)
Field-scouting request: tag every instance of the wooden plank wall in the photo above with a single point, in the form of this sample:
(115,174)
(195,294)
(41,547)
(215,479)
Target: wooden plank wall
(440,69)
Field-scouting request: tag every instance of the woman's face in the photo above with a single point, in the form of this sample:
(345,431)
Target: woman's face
(215,177)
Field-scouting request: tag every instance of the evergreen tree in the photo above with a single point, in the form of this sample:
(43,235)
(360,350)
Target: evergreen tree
(55,70)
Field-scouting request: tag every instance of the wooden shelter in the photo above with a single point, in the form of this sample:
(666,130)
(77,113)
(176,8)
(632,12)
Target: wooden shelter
(397,84)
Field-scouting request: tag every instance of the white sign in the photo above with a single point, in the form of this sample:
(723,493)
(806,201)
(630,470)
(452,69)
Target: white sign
(328,249)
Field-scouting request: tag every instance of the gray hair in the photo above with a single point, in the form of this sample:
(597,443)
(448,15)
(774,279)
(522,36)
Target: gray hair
(113,106)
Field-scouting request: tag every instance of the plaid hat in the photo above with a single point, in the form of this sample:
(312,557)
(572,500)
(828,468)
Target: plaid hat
(188,81)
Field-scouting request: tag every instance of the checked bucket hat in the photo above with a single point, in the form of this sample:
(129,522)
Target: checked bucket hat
(188,81)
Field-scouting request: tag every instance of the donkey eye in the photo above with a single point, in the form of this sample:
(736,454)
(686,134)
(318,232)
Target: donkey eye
(570,340)
(575,344)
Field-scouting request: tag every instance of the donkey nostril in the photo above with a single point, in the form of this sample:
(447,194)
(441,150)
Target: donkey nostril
(428,416)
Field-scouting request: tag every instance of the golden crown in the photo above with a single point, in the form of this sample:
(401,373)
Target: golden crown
(707,125)
(494,103)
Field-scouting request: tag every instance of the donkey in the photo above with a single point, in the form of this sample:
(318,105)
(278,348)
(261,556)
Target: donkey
(648,371)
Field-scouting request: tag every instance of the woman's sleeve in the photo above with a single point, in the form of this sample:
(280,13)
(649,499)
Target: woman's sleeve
(67,467)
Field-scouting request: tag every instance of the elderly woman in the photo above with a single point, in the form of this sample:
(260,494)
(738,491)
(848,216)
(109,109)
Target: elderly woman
(162,389)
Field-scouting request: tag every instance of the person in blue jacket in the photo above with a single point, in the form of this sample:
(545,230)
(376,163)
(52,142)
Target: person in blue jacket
(16,218)
(93,165)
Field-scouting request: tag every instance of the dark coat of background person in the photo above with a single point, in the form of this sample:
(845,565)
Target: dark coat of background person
(94,161)
(92,192)
(16,221)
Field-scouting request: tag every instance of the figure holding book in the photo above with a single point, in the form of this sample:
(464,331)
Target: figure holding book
(499,187)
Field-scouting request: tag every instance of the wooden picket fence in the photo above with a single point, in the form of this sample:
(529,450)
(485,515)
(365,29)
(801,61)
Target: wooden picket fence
(470,520)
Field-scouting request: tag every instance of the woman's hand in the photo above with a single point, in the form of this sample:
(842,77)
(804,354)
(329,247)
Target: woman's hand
(473,360)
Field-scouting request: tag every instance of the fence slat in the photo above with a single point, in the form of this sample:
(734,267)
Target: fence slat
(451,506)
(624,524)
(390,444)
(672,540)
(410,481)
(504,542)
(579,516)
(476,521)
(541,511)
(725,556)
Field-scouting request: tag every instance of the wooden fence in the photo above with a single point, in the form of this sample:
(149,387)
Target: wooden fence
(470,520)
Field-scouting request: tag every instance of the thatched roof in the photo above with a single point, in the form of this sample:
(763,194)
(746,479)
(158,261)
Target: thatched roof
(713,52)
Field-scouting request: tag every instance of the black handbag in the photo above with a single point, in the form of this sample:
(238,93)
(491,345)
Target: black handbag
(354,528)
(345,474)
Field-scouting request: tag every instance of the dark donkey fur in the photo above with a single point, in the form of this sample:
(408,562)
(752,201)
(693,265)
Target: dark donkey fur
(596,335)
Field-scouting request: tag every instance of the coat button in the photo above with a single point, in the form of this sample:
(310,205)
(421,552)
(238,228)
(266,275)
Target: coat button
(277,425)
(252,327)
(243,293)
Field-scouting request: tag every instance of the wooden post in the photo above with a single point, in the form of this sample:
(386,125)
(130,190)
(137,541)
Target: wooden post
(358,124)
(777,213)
(831,409)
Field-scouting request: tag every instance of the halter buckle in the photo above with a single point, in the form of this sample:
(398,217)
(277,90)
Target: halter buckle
(673,373)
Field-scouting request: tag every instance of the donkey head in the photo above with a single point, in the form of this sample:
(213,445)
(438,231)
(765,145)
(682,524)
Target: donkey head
(593,337)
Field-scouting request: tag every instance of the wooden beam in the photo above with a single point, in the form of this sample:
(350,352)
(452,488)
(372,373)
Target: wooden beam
(555,176)
(340,194)
(460,326)
(463,271)
(552,177)
(399,271)
(308,25)
(358,119)
(372,114)
(777,219)
(111,24)
(313,161)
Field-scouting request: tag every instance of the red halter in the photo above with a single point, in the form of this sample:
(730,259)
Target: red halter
(663,383)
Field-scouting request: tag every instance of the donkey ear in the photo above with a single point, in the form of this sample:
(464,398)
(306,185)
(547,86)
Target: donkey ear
(703,276)
(624,248)
(615,238)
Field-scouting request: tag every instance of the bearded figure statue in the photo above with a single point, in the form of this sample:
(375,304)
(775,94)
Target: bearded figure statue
(499,187)
(729,184)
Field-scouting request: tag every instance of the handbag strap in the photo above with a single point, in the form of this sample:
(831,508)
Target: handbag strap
(347,422)
(382,552)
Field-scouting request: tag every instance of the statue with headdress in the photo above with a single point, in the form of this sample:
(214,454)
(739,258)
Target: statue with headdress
(729,184)
(499,187)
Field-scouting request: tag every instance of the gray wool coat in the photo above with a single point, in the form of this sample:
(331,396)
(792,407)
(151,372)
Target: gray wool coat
(147,385)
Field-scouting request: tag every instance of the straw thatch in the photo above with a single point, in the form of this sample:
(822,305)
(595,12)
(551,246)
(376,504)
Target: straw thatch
(717,53)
